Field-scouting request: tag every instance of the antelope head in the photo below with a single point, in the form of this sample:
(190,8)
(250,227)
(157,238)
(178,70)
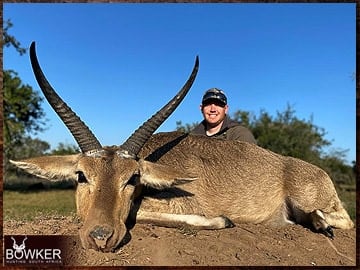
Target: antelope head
(107,177)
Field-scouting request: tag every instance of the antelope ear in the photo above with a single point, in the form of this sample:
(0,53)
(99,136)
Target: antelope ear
(50,167)
(161,176)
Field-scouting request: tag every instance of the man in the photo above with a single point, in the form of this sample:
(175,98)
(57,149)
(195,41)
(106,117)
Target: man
(216,122)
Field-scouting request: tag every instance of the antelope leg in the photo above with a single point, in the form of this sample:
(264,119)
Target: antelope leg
(179,220)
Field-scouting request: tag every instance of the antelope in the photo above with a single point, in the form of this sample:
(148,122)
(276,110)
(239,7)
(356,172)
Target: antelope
(177,179)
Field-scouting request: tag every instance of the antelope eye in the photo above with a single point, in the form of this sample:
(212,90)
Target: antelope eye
(81,177)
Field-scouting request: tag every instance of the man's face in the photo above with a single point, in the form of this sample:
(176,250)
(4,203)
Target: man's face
(214,112)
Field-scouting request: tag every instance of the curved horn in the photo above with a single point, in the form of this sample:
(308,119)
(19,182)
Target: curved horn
(131,147)
(82,134)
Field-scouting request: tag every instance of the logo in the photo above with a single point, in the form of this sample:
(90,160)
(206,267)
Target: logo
(18,248)
(32,250)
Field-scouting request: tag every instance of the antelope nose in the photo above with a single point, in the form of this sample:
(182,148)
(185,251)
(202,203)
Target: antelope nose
(101,234)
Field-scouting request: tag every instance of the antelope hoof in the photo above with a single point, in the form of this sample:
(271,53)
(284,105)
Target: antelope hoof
(228,222)
(329,232)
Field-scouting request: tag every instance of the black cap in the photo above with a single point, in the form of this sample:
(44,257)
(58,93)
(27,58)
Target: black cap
(214,93)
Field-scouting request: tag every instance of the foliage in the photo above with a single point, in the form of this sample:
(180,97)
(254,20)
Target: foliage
(186,128)
(9,40)
(334,164)
(22,108)
(21,104)
(22,112)
(28,147)
(286,134)
(24,147)
(22,115)
(65,149)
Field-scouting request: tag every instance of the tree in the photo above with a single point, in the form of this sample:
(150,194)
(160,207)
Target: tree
(22,111)
(65,149)
(28,147)
(335,165)
(9,40)
(286,134)
(186,128)
(22,108)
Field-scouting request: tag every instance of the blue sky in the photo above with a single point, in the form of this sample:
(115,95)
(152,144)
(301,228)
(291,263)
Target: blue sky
(116,64)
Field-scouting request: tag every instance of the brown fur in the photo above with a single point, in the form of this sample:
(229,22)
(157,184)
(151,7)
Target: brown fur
(199,181)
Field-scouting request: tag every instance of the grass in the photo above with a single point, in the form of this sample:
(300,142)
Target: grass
(348,198)
(27,205)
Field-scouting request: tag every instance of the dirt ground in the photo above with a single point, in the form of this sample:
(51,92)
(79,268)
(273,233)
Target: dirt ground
(243,245)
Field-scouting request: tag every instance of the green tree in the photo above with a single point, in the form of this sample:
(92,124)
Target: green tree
(65,149)
(335,165)
(22,111)
(22,108)
(28,147)
(286,134)
(22,117)
(9,40)
(186,127)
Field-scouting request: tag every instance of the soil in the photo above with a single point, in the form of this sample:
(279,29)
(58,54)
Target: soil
(243,245)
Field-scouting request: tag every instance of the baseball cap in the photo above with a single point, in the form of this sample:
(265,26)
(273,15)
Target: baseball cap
(214,93)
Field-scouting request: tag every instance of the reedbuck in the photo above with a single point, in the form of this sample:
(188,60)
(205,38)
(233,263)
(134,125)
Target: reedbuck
(175,179)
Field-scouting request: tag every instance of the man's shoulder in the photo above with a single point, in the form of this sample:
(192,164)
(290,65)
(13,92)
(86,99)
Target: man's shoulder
(238,128)
(239,132)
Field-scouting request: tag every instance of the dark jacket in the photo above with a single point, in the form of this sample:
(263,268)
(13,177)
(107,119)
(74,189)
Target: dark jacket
(230,130)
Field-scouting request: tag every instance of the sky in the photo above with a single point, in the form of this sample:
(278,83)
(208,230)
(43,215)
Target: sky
(116,64)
